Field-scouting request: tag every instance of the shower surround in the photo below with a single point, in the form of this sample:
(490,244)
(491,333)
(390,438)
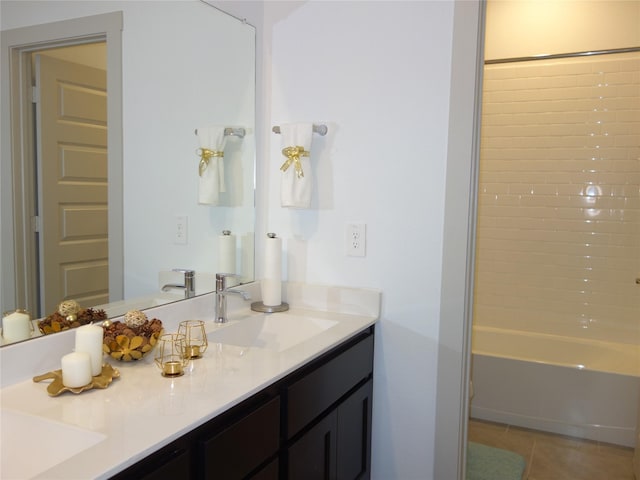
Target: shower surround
(558,246)
(558,241)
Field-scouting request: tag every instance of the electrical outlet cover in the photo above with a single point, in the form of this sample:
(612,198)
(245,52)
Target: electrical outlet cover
(356,239)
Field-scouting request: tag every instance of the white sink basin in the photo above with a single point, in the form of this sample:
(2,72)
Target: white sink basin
(274,331)
(31,445)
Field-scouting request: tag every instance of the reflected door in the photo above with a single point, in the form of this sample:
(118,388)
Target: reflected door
(72,226)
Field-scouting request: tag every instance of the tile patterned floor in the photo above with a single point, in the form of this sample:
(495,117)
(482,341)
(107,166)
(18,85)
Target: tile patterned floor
(556,457)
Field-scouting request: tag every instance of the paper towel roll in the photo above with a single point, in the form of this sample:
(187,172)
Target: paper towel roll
(227,252)
(272,279)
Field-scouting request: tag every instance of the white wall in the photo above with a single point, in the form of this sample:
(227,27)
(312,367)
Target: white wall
(378,74)
(535,27)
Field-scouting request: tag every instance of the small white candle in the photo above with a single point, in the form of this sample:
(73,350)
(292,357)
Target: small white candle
(76,369)
(89,340)
(16,326)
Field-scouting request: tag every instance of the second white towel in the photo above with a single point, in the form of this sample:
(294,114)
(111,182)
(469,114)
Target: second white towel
(296,179)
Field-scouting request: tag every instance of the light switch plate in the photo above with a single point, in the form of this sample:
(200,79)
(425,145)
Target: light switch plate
(181,230)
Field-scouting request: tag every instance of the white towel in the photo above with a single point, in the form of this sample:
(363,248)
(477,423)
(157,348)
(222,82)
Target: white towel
(211,170)
(295,186)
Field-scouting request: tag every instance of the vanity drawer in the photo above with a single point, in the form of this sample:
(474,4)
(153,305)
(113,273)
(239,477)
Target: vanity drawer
(243,446)
(308,397)
(172,461)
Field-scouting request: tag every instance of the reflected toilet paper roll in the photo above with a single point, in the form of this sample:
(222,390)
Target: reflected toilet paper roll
(227,252)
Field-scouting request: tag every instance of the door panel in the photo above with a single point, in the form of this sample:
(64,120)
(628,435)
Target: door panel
(72,176)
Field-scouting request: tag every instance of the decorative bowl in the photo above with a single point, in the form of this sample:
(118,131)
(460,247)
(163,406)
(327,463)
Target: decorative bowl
(130,343)
(57,322)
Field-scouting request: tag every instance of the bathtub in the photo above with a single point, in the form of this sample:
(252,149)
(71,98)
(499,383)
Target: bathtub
(575,387)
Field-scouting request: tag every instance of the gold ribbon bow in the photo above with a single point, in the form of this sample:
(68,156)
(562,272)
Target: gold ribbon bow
(293,155)
(206,155)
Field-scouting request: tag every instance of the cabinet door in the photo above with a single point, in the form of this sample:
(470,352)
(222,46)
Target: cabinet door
(354,434)
(313,456)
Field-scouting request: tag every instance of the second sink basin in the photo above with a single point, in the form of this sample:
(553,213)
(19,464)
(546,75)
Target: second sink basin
(31,445)
(275,331)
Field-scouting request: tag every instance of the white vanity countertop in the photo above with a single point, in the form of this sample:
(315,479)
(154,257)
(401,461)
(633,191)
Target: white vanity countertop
(142,411)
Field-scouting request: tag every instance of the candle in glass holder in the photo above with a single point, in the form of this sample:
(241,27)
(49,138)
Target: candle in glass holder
(195,337)
(76,369)
(89,340)
(170,354)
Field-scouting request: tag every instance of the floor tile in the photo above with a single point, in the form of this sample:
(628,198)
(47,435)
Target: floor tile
(556,457)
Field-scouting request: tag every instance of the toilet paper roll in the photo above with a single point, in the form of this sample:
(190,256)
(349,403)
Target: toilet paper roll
(272,279)
(227,252)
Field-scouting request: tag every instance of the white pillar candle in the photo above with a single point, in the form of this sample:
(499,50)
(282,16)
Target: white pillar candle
(272,280)
(16,326)
(89,340)
(76,369)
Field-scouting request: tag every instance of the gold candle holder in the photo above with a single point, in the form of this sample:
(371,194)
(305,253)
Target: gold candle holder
(196,338)
(171,355)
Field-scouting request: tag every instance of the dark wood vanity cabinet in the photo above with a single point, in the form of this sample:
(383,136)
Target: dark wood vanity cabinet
(313,424)
(329,417)
(339,445)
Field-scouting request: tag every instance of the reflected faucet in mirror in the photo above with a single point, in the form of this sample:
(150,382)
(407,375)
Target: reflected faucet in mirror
(189,285)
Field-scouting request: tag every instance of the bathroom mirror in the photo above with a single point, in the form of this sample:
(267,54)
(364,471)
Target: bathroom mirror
(191,67)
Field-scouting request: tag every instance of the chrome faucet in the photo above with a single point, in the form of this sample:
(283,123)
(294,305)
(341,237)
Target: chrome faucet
(189,285)
(221,295)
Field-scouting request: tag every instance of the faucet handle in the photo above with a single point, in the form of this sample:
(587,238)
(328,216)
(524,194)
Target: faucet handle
(187,272)
(221,280)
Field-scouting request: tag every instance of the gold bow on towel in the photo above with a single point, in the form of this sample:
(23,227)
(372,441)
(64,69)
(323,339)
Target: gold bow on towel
(293,155)
(205,156)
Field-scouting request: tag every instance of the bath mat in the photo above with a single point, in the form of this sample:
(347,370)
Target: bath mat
(489,463)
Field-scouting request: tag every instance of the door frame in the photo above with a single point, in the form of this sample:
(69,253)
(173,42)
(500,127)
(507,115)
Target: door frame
(17,165)
(458,254)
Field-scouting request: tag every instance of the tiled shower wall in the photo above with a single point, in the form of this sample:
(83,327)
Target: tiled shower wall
(558,240)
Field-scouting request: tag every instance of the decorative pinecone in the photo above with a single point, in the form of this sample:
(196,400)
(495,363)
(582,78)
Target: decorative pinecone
(90,315)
